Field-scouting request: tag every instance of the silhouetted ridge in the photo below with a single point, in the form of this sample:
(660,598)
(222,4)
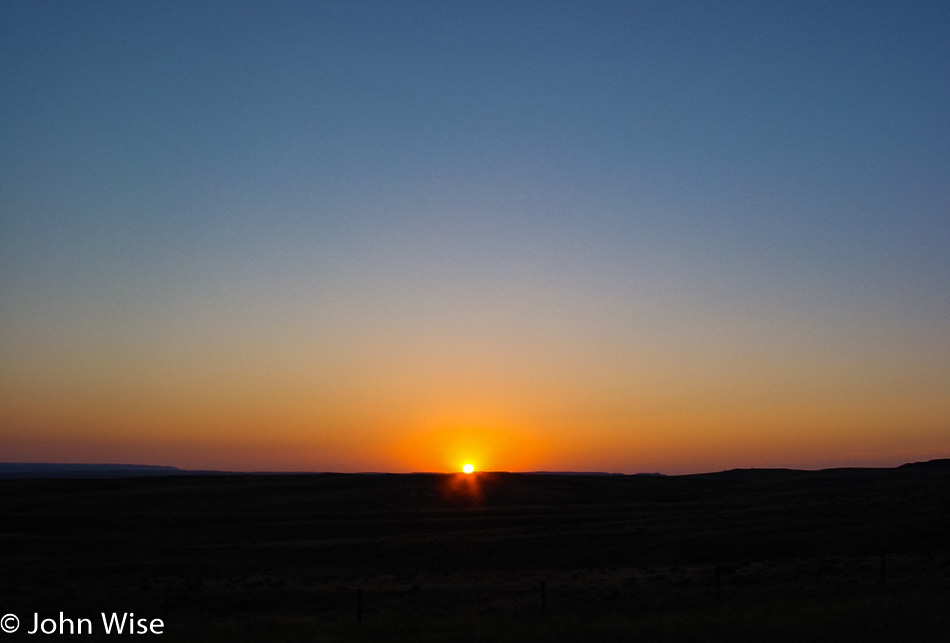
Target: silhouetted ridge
(82,470)
(942,464)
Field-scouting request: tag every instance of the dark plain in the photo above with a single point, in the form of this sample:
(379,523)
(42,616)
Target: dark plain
(743,555)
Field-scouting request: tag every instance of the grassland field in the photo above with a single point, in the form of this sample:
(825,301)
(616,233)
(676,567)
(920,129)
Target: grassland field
(743,555)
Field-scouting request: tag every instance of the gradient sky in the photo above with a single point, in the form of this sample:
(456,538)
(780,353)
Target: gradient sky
(398,236)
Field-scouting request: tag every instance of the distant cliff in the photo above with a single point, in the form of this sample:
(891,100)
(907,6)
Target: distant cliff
(71,470)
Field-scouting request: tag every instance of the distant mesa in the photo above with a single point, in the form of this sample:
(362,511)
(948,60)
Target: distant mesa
(10,470)
(77,470)
(942,464)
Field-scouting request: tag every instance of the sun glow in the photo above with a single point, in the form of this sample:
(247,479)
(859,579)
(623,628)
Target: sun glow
(468,468)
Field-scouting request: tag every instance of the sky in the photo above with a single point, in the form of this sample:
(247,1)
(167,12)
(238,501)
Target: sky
(401,236)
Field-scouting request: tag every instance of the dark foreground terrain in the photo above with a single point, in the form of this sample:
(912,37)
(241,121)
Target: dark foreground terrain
(746,555)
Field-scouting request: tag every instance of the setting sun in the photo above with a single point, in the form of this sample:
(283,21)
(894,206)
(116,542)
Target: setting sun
(467,468)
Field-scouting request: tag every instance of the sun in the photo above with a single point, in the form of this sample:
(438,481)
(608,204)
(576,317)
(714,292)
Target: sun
(468,468)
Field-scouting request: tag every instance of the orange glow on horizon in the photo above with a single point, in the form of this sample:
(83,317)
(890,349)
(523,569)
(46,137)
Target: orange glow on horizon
(458,447)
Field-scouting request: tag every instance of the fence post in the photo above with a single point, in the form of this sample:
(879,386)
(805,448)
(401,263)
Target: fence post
(359,605)
(544,597)
(718,583)
(884,569)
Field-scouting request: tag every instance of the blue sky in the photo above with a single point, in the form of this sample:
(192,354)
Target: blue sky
(633,200)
